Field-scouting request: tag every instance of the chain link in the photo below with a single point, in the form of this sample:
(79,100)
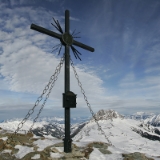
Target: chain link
(52,80)
(58,69)
(89,106)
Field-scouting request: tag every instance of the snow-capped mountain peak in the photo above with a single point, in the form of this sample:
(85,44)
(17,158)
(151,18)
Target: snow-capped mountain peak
(146,117)
(107,114)
(141,115)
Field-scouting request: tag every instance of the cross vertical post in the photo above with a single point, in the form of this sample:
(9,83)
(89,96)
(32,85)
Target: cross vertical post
(67,139)
(67,40)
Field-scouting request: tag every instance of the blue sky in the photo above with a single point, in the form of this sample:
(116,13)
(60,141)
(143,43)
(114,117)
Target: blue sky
(122,74)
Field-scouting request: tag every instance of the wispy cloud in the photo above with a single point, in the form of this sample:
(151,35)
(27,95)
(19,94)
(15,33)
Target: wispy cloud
(153,70)
(27,67)
(119,75)
(145,87)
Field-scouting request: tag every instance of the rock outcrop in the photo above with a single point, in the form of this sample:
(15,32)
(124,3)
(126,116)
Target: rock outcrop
(136,156)
(107,114)
(147,135)
(77,153)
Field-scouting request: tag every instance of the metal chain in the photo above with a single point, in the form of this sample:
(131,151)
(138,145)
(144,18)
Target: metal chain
(89,106)
(58,69)
(52,80)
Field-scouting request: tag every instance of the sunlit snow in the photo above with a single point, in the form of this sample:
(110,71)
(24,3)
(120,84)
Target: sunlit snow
(119,132)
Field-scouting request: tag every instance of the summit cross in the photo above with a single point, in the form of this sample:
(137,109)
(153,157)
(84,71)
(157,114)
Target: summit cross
(67,40)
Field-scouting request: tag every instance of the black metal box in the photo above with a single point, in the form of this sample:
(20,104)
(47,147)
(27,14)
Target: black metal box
(69,100)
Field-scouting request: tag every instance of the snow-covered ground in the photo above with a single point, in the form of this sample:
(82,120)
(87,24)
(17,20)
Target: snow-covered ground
(119,132)
(123,139)
(12,125)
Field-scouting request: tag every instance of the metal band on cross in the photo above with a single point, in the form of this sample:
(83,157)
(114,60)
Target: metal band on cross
(68,41)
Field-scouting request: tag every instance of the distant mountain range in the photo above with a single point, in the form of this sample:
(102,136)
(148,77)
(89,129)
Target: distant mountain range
(140,115)
(133,133)
(147,118)
(59,120)
(147,123)
(57,130)
(54,126)
(45,126)
(58,124)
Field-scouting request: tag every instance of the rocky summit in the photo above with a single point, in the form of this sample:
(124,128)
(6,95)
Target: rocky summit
(107,114)
(9,148)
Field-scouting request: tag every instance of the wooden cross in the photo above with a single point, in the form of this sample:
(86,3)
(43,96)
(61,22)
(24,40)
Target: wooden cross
(67,40)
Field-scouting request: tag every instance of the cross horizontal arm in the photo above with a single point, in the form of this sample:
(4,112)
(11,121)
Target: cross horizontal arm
(59,36)
(45,31)
(79,44)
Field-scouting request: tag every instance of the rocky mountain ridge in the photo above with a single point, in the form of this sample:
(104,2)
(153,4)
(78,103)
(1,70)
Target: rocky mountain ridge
(154,120)
(106,115)
(122,132)
(146,117)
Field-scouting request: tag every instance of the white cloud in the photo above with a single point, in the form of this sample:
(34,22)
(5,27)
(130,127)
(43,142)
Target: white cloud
(144,87)
(152,69)
(26,66)
(128,78)
(74,19)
